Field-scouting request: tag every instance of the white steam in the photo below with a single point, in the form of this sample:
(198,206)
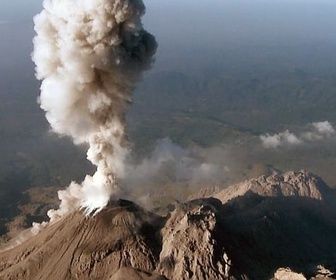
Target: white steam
(320,131)
(276,140)
(316,131)
(89,54)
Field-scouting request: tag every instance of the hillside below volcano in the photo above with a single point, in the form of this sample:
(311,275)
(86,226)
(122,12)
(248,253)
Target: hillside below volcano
(273,222)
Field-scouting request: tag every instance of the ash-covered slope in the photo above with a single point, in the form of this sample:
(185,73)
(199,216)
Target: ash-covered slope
(80,247)
(247,237)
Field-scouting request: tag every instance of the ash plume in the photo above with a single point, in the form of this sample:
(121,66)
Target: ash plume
(89,55)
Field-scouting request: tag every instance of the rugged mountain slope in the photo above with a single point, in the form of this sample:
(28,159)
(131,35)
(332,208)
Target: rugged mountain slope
(279,221)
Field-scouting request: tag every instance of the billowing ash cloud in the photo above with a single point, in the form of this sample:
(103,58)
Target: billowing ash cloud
(89,55)
(317,131)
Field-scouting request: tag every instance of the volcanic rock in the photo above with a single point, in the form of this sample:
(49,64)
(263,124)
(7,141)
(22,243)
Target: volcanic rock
(191,245)
(271,222)
(287,274)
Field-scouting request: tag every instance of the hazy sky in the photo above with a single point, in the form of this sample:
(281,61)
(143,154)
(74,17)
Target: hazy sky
(218,17)
(215,21)
(183,27)
(19,10)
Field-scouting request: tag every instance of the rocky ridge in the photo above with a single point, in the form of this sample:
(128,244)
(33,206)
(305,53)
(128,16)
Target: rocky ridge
(301,184)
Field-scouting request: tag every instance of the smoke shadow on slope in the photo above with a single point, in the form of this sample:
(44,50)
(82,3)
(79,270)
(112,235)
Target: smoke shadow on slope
(264,233)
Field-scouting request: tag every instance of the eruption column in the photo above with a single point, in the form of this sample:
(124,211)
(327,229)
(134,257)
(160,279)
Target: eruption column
(89,55)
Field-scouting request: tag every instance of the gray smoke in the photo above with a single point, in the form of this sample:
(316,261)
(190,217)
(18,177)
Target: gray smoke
(196,166)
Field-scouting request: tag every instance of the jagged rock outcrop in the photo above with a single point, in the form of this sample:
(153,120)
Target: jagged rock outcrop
(191,245)
(287,274)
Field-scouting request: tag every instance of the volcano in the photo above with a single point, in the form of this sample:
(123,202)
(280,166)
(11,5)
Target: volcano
(249,236)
